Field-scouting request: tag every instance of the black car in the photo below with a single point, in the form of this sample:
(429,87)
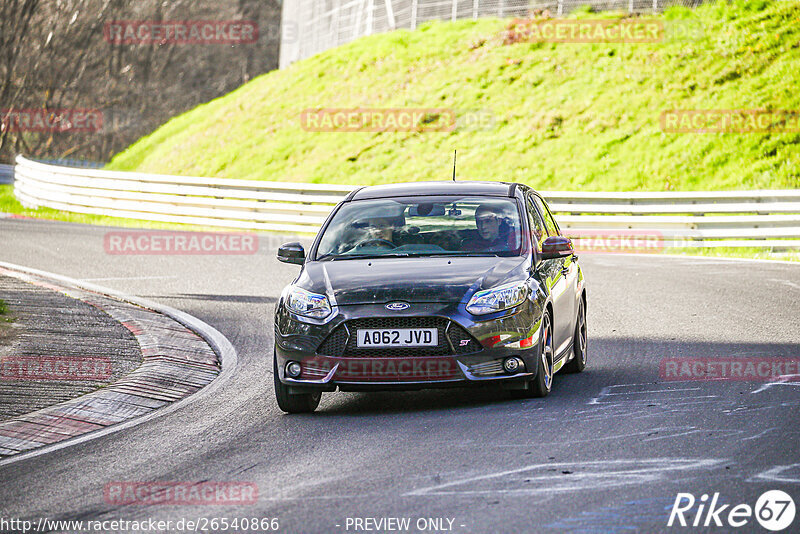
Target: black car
(430,284)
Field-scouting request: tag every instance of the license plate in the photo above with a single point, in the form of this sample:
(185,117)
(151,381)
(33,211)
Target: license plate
(379,338)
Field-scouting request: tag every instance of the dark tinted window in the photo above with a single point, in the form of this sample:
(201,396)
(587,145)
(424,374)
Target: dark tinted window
(419,226)
(549,222)
(538,231)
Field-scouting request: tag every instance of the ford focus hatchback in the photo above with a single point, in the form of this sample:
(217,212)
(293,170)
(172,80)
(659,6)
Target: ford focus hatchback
(428,285)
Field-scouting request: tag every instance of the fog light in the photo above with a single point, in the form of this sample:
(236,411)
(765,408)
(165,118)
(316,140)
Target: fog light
(293,369)
(513,365)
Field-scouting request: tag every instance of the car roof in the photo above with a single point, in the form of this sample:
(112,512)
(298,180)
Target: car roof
(409,189)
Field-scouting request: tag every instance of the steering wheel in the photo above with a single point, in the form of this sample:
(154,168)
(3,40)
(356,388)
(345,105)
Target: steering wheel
(376,242)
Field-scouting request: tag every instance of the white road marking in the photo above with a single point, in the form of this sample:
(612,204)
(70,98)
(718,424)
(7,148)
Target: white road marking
(759,434)
(775,474)
(590,475)
(653,391)
(127,278)
(785,282)
(655,395)
(783,380)
(686,433)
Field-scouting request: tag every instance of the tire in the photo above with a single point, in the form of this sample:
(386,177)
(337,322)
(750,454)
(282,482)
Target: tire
(579,343)
(540,385)
(293,402)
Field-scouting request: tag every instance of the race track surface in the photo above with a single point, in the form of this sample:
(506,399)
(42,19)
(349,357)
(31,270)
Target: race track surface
(607,451)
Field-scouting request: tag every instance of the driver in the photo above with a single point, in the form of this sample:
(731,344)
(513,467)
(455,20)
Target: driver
(379,230)
(382,228)
(494,231)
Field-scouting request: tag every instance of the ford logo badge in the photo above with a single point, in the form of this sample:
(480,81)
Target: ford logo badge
(398,306)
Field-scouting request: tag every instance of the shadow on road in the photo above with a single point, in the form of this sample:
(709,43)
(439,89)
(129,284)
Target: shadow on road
(620,371)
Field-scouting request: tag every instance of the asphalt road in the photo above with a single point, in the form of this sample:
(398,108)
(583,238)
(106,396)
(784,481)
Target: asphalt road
(607,451)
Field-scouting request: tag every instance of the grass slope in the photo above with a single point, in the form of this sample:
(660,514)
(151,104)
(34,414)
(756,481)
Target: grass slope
(565,116)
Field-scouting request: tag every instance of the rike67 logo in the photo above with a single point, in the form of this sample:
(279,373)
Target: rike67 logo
(774,510)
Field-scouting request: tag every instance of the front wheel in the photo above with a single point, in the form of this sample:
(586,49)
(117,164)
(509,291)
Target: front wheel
(293,402)
(540,385)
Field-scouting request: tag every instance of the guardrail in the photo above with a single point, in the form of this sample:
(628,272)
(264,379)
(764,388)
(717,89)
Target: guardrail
(729,218)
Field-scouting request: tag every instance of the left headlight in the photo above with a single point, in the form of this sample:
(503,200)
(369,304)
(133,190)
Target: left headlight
(307,304)
(498,298)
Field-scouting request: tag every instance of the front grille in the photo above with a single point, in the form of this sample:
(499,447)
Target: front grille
(490,368)
(462,342)
(335,343)
(342,341)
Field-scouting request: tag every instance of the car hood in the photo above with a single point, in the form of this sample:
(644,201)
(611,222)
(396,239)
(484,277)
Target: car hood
(381,280)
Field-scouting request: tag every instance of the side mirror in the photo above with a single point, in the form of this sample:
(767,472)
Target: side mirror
(292,253)
(556,247)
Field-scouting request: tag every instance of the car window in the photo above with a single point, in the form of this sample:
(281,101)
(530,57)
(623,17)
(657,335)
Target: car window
(549,222)
(418,226)
(538,230)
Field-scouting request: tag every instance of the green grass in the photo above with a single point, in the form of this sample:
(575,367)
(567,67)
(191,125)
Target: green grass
(565,116)
(6,317)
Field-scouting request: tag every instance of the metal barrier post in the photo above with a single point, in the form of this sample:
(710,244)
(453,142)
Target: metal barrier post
(390,14)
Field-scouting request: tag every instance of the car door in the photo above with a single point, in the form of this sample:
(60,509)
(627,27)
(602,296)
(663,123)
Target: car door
(560,274)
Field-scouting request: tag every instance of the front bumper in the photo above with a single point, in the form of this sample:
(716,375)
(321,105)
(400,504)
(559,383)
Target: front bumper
(492,339)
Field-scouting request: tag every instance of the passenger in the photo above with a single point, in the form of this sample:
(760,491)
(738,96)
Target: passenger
(494,232)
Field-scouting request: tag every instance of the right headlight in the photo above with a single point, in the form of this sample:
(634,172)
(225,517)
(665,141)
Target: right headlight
(308,304)
(498,298)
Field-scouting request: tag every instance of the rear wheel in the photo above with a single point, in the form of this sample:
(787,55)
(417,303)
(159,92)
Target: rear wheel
(540,385)
(579,346)
(293,402)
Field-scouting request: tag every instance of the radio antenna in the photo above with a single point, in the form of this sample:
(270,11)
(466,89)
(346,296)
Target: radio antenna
(454,164)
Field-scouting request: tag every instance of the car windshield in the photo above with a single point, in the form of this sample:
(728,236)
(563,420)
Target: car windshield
(423,226)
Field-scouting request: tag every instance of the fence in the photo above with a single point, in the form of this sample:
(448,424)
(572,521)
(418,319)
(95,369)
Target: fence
(312,26)
(734,218)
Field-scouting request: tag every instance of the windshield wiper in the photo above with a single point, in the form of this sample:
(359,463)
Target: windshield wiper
(410,255)
(460,254)
(363,256)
